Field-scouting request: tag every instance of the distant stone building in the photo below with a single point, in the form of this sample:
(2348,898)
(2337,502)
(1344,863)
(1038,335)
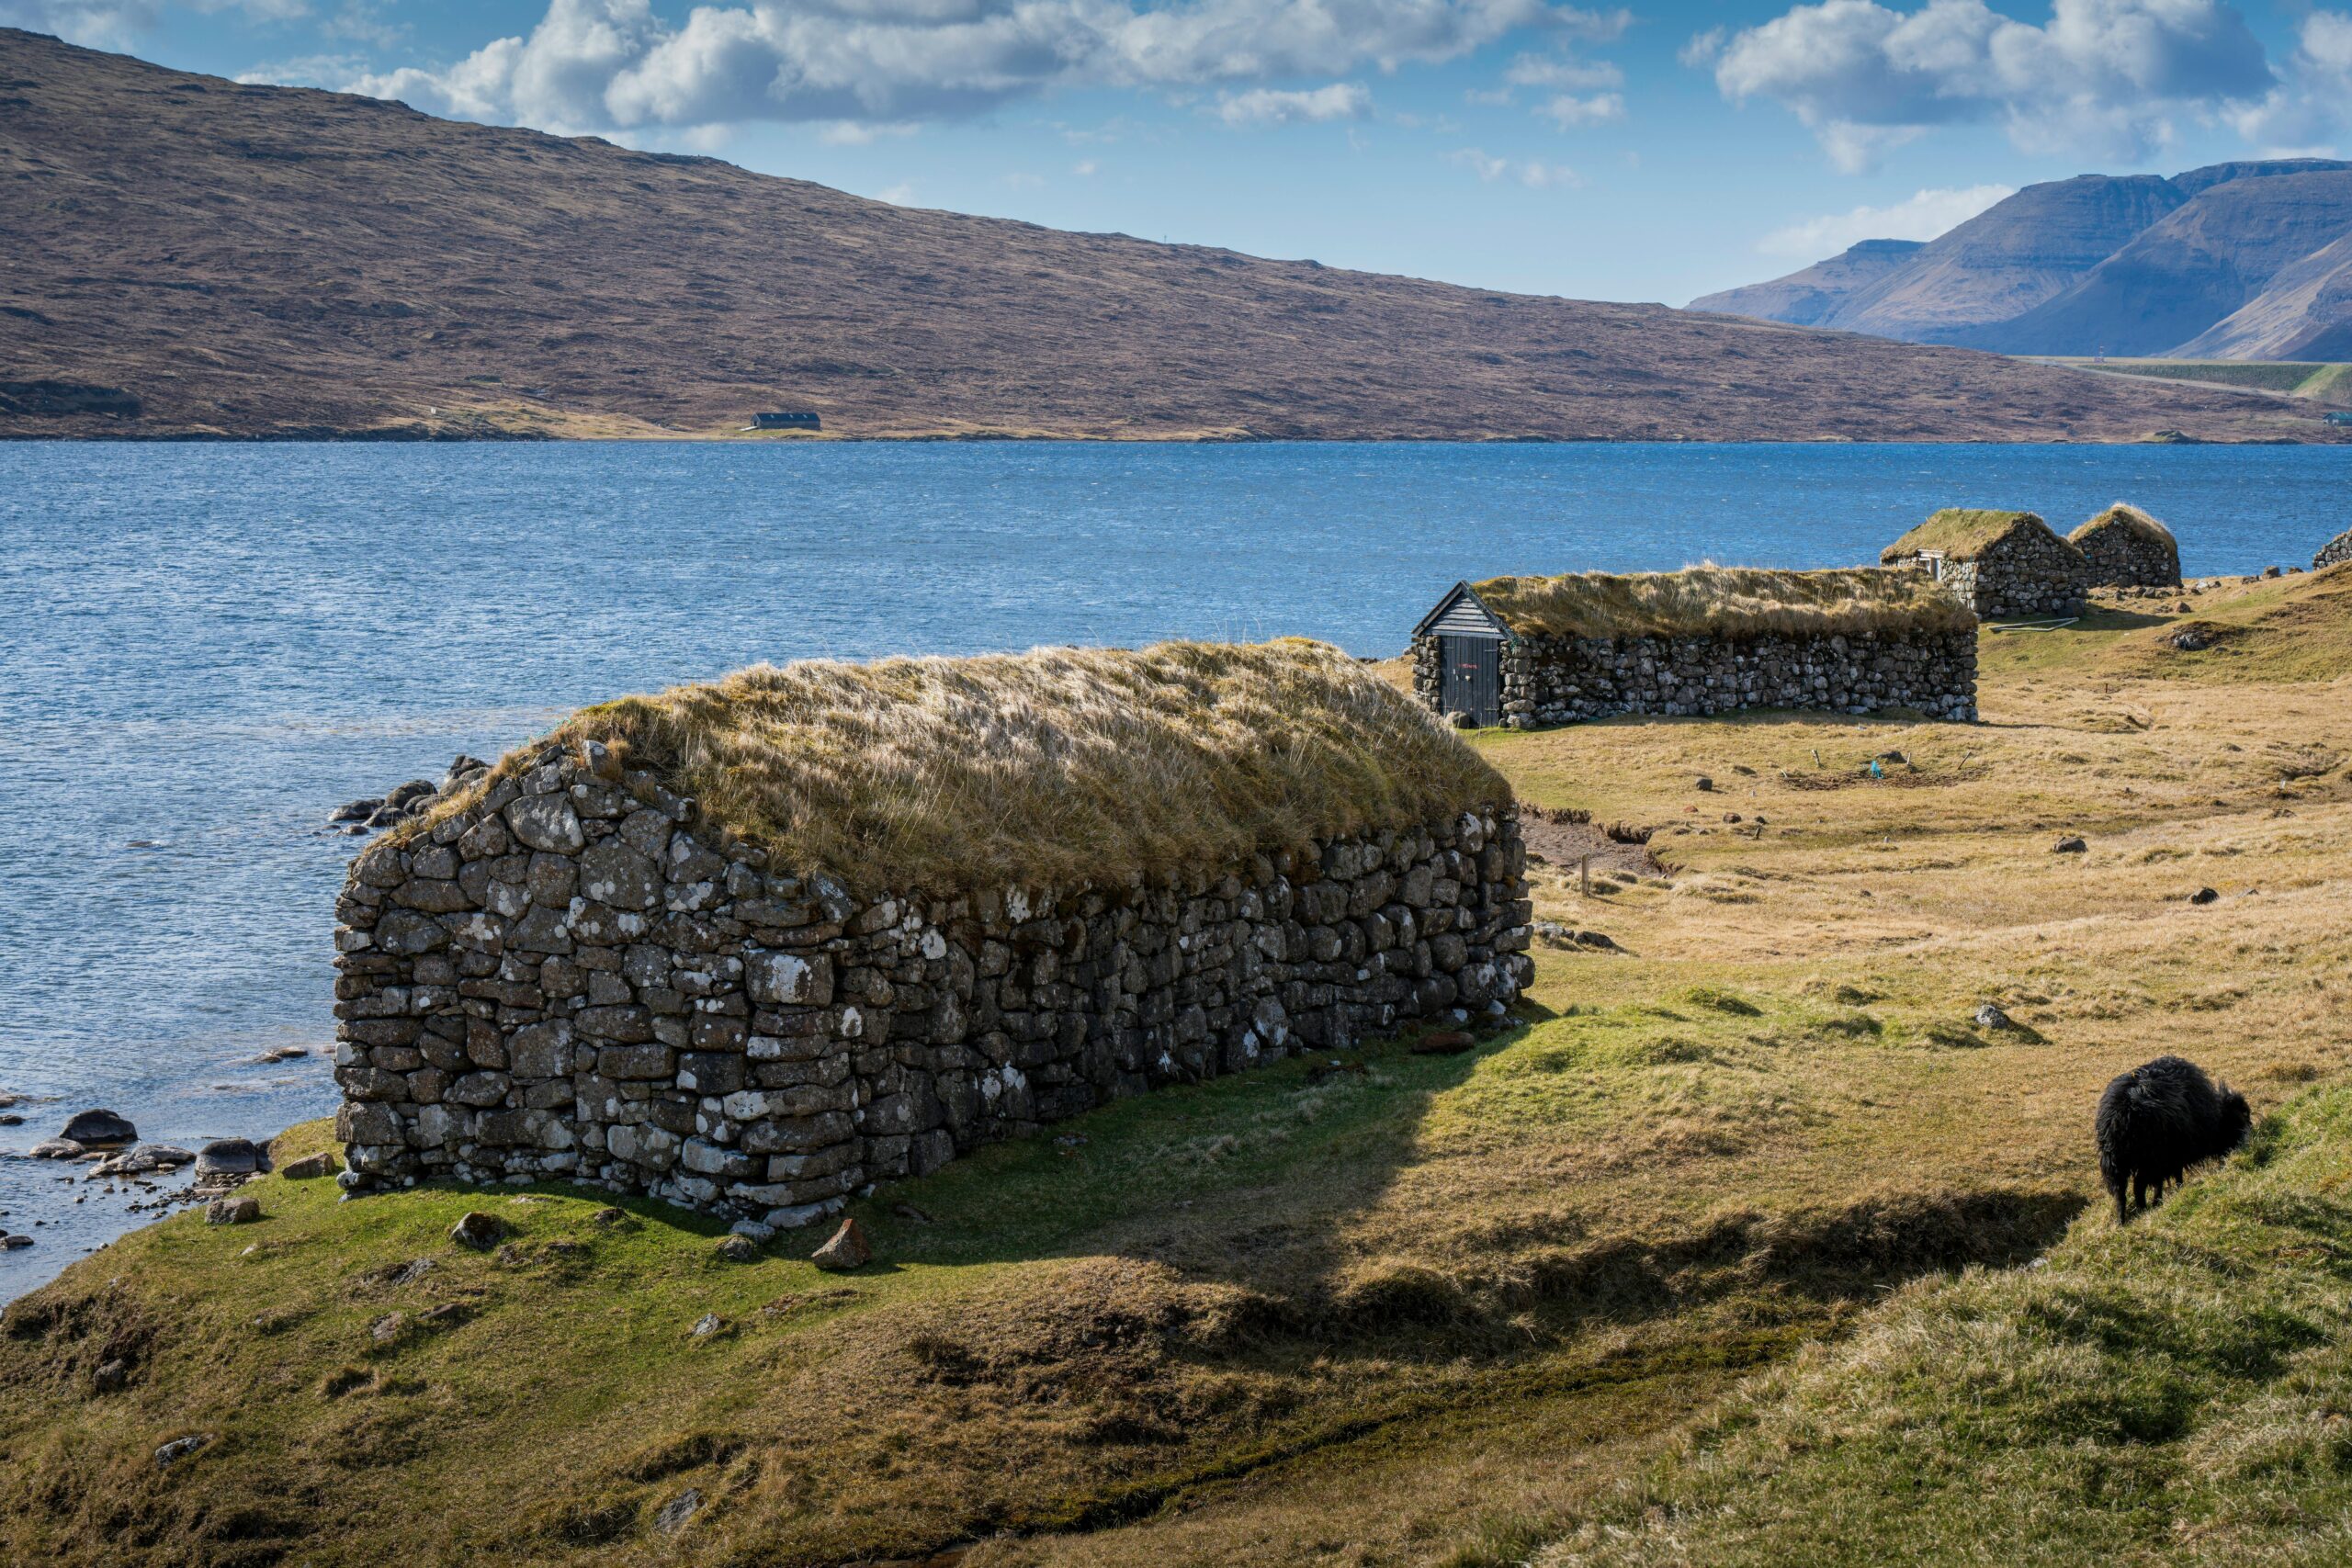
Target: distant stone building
(792,419)
(2334,552)
(2002,564)
(1525,651)
(2125,547)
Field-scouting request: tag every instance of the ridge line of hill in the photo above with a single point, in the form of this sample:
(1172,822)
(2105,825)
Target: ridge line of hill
(202,258)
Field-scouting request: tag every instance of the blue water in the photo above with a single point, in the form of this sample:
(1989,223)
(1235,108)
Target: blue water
(203,648)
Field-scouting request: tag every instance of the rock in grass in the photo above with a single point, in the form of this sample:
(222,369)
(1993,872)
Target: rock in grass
(2070,845)
(311,1168)
(707,1324)
(179,1449)
(229,1157)
(739,1250)
(2203,896)
(100,1130)
(112,1377)
(677,1511)
(1990,1016)
(480,1231)
(845,1251)
(233,1211)
(1595,939)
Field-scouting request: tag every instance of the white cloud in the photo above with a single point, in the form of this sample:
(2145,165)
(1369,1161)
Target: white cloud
(1593,27)
(1704,49)
(1563,70)
(2102,78)
(1921,215)
(862,132)
(113,23)
(1570,113)
(598,64)
(1268,105)
(1533,175)
(2315,99)
(1085,168)
(899,194)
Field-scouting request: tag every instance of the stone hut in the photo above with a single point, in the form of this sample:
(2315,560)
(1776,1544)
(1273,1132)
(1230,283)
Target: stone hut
(2125,547)
(2002,564)
(2334,552)
(1525,651)
(752,946)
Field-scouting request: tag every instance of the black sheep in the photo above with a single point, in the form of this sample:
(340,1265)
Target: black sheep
(2159,1119)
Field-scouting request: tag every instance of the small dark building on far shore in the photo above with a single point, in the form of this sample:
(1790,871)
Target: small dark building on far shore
(791,419)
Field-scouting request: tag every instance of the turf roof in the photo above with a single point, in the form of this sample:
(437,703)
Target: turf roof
(1961,532)
(1715,601)
(1060,767)
(2130,518)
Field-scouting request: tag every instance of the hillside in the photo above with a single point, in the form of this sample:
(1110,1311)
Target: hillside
(1808,297)
(191,256)
(2306,314)
(1704,1196)
(2140,266)
(2191,270)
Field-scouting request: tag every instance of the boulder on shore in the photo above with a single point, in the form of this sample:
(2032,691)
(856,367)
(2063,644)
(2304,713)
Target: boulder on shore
(230,1156)
(57,1148)
(100,1130)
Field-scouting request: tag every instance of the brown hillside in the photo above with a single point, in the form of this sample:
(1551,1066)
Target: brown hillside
(189,256)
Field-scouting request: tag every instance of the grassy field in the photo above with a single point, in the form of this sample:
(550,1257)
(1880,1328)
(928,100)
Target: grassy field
(1728,1237)
(2322,381)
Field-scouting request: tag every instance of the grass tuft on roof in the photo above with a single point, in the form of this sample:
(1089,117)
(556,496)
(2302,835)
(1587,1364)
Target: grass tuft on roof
(1059,767)
(2131,520)
(1716,600)
(1961,532)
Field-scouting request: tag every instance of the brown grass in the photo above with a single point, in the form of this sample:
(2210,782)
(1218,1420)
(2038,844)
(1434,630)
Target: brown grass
(1961,533)
(1721,602)
(1058,767)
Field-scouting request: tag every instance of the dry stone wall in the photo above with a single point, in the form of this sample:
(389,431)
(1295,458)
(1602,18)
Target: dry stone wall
(1549,679)
(2334,552)
(2027,573)
(2120,556)
(573,977)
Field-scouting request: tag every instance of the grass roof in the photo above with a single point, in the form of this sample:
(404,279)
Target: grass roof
(2131,520)
(1720,602)
(1961,532)
(1059,767)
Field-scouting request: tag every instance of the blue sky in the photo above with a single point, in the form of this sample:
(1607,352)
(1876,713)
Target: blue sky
(1650,153)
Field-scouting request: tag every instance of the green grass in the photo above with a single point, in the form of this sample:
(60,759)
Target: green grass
(2177,1391)
(1720,601)
(2326,381)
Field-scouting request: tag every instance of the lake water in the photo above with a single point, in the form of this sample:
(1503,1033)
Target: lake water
(204,649)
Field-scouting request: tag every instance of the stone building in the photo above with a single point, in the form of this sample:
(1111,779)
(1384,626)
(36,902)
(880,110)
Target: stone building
(1525,651)
(2125,547)
(2334,552)
(753,946)
(2002,564)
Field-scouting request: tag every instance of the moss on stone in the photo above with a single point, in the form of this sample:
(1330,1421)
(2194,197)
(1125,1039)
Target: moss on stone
(1728,601)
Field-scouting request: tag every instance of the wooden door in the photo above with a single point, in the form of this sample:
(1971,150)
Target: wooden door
(1474,677)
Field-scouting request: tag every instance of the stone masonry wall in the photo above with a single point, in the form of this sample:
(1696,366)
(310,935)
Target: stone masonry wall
(2027,574)
(2335,551)
(574,978)
(2120,557)
(1551,681)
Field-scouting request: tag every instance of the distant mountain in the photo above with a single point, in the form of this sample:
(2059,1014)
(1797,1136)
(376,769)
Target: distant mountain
(186,255)
(2306,314)
(1804,298)
(2136,266)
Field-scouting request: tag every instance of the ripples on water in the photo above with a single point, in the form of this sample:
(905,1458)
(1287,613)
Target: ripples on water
(203,648)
